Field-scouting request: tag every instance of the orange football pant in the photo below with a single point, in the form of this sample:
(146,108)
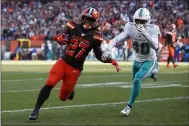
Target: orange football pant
(171,50)
(69,76)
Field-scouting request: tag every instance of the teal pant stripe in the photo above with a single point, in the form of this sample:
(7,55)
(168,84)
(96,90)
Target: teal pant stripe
(150,70)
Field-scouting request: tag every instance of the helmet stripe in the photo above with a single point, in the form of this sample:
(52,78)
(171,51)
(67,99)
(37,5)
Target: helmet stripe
(90,11)
(140,13)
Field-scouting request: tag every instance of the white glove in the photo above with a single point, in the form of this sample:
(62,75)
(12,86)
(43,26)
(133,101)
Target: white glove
(106,54)
(140,28)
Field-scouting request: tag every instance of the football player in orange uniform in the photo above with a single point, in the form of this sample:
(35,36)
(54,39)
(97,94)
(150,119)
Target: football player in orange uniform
(80,39)
(170,42)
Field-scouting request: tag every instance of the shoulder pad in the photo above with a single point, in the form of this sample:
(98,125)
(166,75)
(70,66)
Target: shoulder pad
(71,24)
(153,28)
(156,26)
(98,36)
(128,26)
(130,23)
(150,25)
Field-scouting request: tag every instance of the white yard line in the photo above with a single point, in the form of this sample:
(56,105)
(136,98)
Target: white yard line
(102,76)
(77,86)
(125,85)
(163,86)
(158,86)
(90,105)
(36,79)
(27,79)
(174,72)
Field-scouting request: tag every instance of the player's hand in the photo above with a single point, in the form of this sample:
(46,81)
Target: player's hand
(140,28)
(106,54)
(116,65)
(142,31)
(61,39)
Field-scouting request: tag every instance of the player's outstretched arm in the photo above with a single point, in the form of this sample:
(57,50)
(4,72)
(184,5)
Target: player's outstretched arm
(151,39)
(98,53)
(119,38)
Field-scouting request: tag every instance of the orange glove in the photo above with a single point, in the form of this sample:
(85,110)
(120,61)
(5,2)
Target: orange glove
(116,65)
(61,39)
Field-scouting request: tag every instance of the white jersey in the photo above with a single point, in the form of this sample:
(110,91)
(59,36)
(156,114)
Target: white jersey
(142,49)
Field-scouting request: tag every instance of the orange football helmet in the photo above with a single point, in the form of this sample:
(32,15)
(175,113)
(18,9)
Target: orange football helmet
(89,17)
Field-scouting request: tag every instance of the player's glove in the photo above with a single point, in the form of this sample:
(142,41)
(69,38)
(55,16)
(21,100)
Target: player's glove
(106,54)
(140,28)
(142,31)
(61,39)
(116,65)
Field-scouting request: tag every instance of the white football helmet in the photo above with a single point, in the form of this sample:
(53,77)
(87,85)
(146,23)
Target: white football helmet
(141,17)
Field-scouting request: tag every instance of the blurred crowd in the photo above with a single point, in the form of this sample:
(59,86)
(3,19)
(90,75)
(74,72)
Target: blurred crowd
(27,18)
(34,18)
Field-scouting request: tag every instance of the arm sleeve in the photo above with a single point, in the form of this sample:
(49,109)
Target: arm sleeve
(153,38)
(119,38)
(155,41)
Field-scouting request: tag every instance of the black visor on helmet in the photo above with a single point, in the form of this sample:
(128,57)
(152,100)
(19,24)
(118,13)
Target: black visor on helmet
(139,21)
(86,19)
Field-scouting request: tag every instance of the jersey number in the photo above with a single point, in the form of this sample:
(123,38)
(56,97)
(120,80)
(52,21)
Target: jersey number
(73,45)
(142,48)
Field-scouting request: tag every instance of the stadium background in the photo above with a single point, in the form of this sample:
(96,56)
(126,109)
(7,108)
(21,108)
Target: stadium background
(30,21)
(101,93)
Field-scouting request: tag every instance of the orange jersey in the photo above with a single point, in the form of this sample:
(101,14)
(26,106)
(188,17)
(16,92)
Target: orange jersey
(80,43)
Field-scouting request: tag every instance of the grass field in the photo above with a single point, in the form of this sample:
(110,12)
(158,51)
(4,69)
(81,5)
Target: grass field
(101,94)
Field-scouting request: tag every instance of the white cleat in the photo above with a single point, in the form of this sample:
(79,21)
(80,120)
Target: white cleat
(126,111)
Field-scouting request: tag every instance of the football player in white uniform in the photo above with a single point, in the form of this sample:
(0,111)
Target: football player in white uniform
(144,37)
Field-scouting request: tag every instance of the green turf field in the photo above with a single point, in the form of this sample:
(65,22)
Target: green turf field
(101,94)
